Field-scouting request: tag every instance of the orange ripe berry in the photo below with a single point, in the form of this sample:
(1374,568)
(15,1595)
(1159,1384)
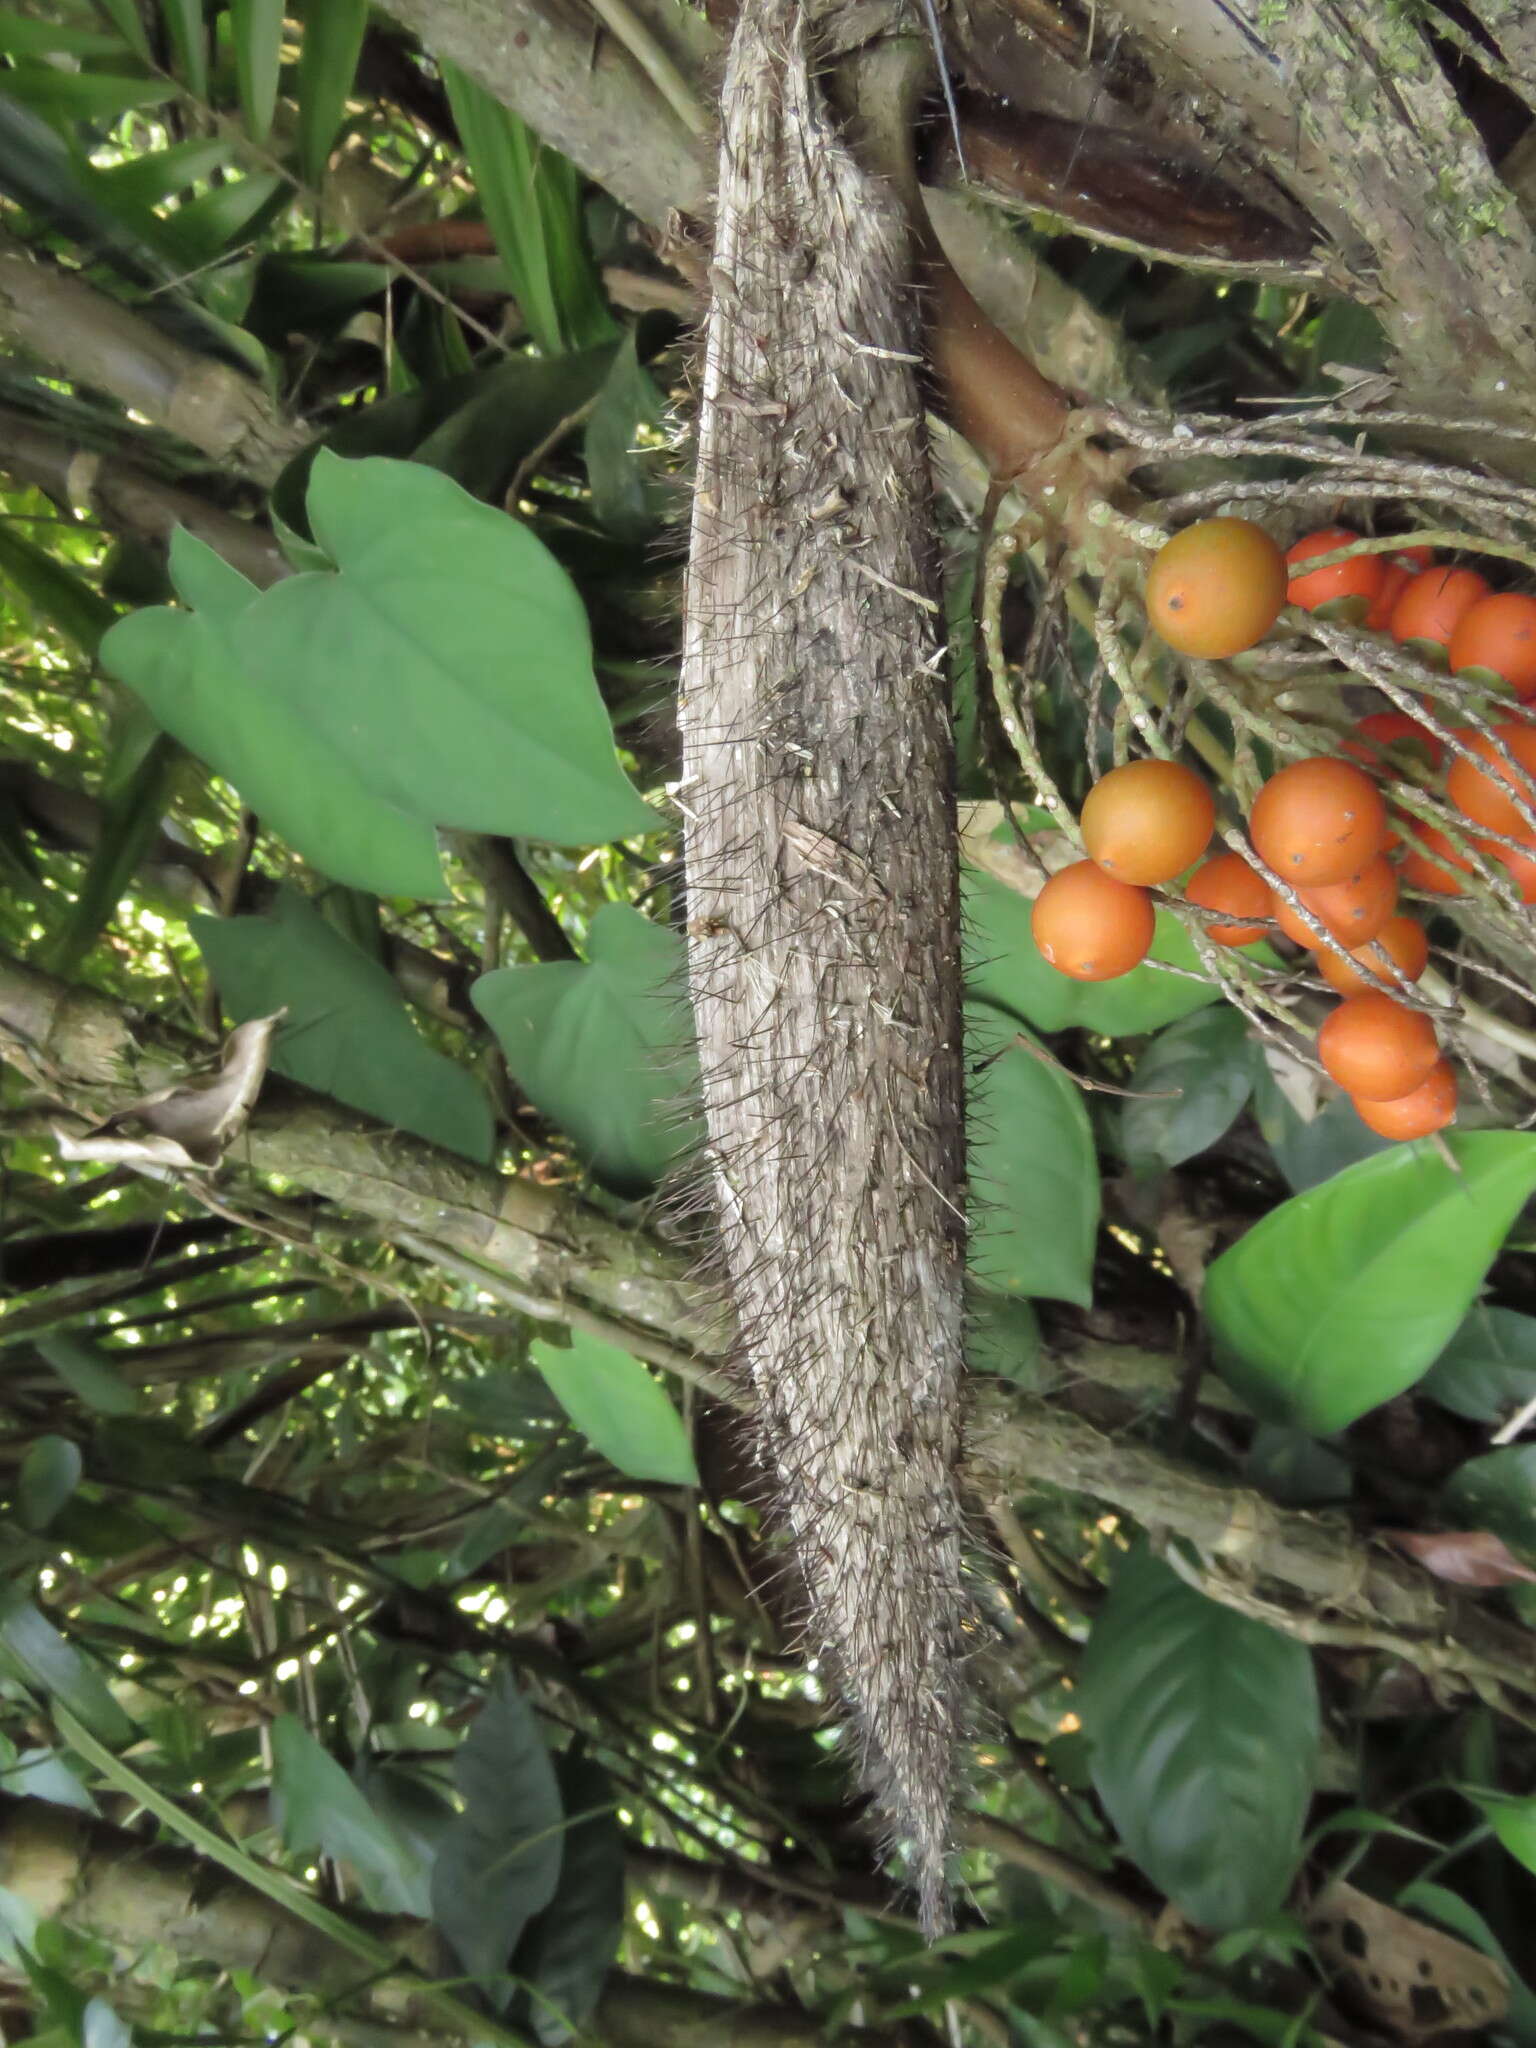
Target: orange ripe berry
(1146,822)
(1353,911)
(1437,876)
(1402,942)
(1318,821)
(1376,1048)
(1431,607)
(1429,1107)
(1227,884)
(1216,588)
(1395,581)
(1496,638)
(1345,591)
(1090,926)
(1520,867)
(1485,795)
(1379,730)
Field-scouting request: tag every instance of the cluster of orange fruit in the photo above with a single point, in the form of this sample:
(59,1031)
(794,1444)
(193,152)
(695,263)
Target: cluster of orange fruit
(1320,825)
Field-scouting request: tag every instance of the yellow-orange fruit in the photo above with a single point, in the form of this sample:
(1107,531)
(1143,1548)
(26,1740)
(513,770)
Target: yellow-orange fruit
(1318,821)
(1148,821)
(1437,876)
(1090,926)
(1216,588)
(1228,884)
(1353,911)
(1402,941)
(1486,794)
(1376,1048)
(1429,1107)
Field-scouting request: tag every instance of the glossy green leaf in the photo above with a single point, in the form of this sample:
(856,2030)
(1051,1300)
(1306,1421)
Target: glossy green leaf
(190,671)
(1034,1171)
(188,35)
(566,1952)
(620,1407)
(1488,1370)
(1344,1296)
(256,29)
(1204,1730)
(88,1373)
(1004,966)
(321,1810)
(499,1863)
(448,659)
(1495,1492)
(604,1046)
(37,1653)
(56,592)
(348,1033)
(333,38)
(1190,1083)
(50,1472)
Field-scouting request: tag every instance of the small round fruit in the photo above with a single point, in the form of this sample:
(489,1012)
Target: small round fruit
(1090,926)
(1216,588)
(1381,731)
(1495,639)
(1485,795)
(1376,1048)
(1345,591)
(1402,941)
(1423,1110)
(1520,867)
(1318,821)
(1229,885)
(1353,911)
(1394,582)
(1431,607)
(1431,863)
(1148,821)
(1412,559)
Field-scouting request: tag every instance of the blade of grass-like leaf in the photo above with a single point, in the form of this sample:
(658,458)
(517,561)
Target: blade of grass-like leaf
(58,593)
(272,1884)
(333,36)
(124,17)
(256,27)
(189,40)
(130,821)
(500,152)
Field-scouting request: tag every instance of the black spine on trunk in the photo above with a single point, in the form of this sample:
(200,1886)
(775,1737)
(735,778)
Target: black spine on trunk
(823,914)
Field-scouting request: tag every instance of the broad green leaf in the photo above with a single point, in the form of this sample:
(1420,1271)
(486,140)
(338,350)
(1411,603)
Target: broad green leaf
(620,1407)
(35,1650)
(1034,1172)
(624,497)
(1204,1730)
(188,34)
(1295,1468)
(348,1033)
(56,592)
(1343,1297)
(566,1952)
(1496,1492)
(43,1774)
(256,29)
(449,660)
(1190,1083)
(499,1863)
(604,1046)
(1309,1151)
(188,668)
(333,37)
(50,1472)
(1488,1370)
(321,1809)
(88,1373)
(1005,967)
(1002,1337)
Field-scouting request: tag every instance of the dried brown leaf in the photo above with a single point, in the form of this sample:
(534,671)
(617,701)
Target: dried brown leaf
(1464,1557)
(1409,1976)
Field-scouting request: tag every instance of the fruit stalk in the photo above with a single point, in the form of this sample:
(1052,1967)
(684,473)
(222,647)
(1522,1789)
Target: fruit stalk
(824,963)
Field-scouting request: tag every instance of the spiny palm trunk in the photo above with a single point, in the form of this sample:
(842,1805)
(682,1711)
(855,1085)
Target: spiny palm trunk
(824,929)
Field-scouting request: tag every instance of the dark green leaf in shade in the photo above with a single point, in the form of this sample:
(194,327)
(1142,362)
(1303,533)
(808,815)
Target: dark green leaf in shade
(1311,1150)
(1204,1729)
(499,1863)
(333,38)
(448,660)
(1190,1083)
(1495,1492)
(1034,1171)
(620,1407)
(1345,1296)
(1295,1468)
(624,495)
(38,1654)
(65,97)
(1488,1370)
(130,820)
(50,1472)
(321,1809)
(188,33)
(57,594)
(1002,1337)
(566,1952)
(348,1033)
(190,671)
(604,1046)
(87,1371)
(256,30)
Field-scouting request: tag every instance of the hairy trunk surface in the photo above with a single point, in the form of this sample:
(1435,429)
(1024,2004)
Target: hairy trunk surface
(824,931)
